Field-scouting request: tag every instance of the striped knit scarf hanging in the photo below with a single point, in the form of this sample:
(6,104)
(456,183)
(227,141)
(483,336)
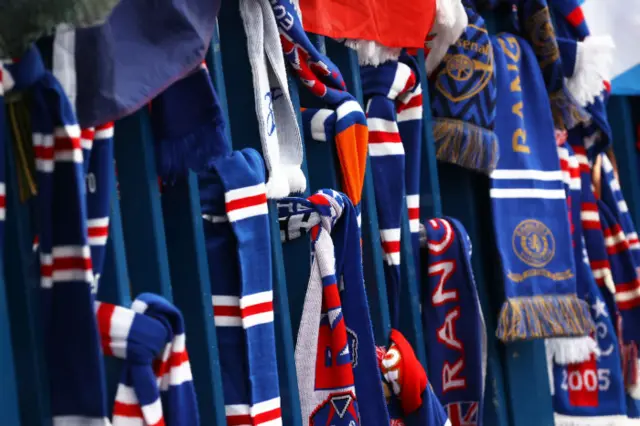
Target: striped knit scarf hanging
(71,334)
(385,88)
(344,122)
(279,131)
(453,322)
(156,387)
(338,377)
(529,207)
(463,100)
(409,394)
(236,226)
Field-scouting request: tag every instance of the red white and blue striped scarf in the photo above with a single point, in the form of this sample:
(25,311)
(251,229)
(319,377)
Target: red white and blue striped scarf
(338,377)
(156,387)
(388,89)
(236,226)
(70,330)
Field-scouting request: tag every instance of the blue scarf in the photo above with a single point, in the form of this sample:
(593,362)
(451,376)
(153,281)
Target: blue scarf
(453,323)
(338,376)
(539,270)
(236,226)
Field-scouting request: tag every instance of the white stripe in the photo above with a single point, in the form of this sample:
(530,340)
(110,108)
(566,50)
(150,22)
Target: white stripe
(582,159)
(86,144)
(46,259)
(215,219)
(565,420)
(127,421)
(257,319)
(382,149)
(392,258)
(625,296)
(139,306)
(615,185)
(414,113)
(176,376)
(317,124)
(73,155)
(225,300)
(542,175)
(589,216)
(274,422)
(227,321)
(179,343)
(67,131)
(413,201)
(403,73)
(614,239)
(152,412)
(247,212)
(599,273)
(265,406)
(414,225)
(550,194)
(71,251)
(100,222)
(382,125)
(255,299)
(2,189)
(119,328)
(634,246)
(606,163)
(44,165)
(247,191)
(126,394)
(105,133)
(347,108)
(86,421)
(237,410)
(43,140)
(622,206)
(390,234)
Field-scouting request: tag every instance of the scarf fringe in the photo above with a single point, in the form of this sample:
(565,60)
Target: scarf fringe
(594,58)
(572,350)
(284,180)
(536,317)
(175,156)
(449,25)
(465,144)
(612,420)
(446,12)
(373,53)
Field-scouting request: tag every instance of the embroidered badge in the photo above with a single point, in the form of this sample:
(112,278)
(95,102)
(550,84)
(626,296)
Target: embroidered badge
(533,243)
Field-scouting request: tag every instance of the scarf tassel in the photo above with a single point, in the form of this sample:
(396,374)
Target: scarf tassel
(537,317)
(465,144)
(572,350)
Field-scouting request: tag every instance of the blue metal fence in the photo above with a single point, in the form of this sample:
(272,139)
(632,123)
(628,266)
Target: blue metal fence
(156,244)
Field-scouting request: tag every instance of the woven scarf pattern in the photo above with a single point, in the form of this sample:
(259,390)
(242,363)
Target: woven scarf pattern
(71,334)
(338,377)
(156,388)
(236,226)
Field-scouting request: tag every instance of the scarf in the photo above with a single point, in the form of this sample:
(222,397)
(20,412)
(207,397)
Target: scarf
(279,131)
(343,122)
(156,386)
(538,265)
(338,377)
(71,334)
(587,381)
(463,100)
(387,90)
(409,394)
(234,206)
(453,322)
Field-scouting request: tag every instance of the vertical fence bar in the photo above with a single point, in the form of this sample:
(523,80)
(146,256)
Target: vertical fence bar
(192,292)
(22,281)
(623,129)
(347,61)
(140,204)
(245,133)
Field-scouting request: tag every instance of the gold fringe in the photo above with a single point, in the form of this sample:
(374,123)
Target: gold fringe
(23,147)
(465,144)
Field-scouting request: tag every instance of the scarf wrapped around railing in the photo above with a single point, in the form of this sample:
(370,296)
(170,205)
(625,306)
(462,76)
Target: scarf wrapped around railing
(344,118)
(335,354)
(409,394)
(386,88)
(463,100)
(453,322)
(156,387)
(236,228)
(71,334)
(529,207)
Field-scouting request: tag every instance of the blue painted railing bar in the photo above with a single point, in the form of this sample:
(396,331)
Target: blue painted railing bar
(140,206)
(22,284)
(245,133)
(192,292)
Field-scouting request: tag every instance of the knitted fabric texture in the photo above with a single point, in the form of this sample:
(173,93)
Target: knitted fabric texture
(451,21)
(529,207)
(121,67)
(156,387)
(388,90)
(338,377)
(463,100)
(279,131)
(453,322)
(188,126)
(71,334)
(236,227)
(344,122)
(589,390)
(409,394)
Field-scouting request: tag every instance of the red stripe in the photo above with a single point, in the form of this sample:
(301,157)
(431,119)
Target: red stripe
(46,271)
(599,264)
(381,137)
(628,286)
(3,201)
(259,308)
(591,224)
(87,134)
(579,150)
(415,101)
(267,416)
(43,153)
(127,410)
(105,126)
(159,422)
(176,359)
(103,316)
(98,231)
(576,17)
(590,207)
(75,262)
(414,213)
(241,419)
(242,203)
(391,246)
(607,86)
(65,143)
(411,81)
(226,311)
(629,304)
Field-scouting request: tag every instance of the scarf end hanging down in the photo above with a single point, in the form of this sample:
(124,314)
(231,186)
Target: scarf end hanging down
(571,350)
(524,318)
(614,420)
